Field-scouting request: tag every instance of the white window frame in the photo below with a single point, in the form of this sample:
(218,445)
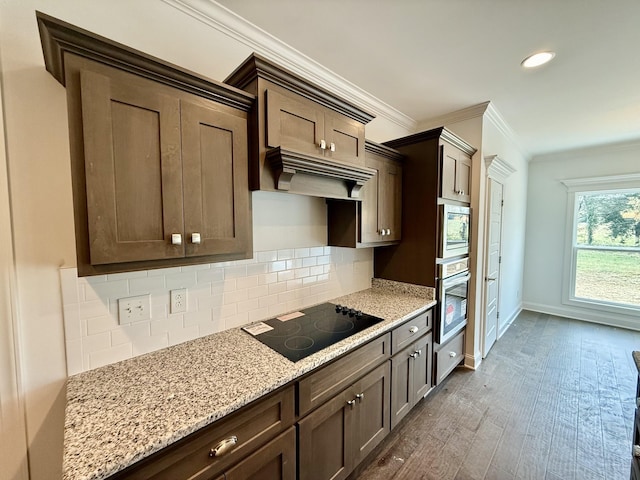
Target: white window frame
(616,183)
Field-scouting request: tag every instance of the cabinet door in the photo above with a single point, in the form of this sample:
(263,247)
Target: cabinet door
(275,461)
(369,228)
(402,388)
(422,367)
(372,410)
(382,202)
(325,449)
(449,158)
(390,200)
(463,177)
(348,137)
(455,174)
(294,123)
(133,168)
(215,170)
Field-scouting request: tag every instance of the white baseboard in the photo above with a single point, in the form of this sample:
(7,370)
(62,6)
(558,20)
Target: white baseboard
(510,320)
(593,316)
(472,361)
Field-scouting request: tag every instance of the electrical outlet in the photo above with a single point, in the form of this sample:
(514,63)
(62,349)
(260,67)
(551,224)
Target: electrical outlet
(134,309)
(179,300)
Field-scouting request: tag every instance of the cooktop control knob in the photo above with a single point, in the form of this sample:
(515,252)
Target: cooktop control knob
(338,308)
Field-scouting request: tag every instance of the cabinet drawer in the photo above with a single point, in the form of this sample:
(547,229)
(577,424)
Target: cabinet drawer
(253,427)
(320,386)
(449,356)
(408,332)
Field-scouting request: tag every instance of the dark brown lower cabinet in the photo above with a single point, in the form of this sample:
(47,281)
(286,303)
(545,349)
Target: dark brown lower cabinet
(275,461)
(410,377)
(337,436)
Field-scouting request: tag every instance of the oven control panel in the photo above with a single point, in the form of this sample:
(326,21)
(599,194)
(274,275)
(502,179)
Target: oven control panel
(453,268)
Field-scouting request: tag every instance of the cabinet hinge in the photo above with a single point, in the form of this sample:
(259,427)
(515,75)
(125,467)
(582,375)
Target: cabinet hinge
(502,203)
(500,259)
(497,315)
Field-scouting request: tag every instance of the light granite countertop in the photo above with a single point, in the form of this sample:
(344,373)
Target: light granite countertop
(121,413)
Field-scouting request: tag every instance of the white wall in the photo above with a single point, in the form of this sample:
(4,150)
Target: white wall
(547,219)
(40,185)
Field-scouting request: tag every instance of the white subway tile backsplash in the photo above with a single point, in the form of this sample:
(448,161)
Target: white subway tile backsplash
(129,333)
(104,323)
(210,275)
(220,296)
(145,284)
(110,355)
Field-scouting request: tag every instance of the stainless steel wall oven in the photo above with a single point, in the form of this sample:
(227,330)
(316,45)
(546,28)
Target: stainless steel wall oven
(455,224)
(452,290)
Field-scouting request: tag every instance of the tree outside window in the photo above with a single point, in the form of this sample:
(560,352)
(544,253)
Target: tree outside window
(606,247)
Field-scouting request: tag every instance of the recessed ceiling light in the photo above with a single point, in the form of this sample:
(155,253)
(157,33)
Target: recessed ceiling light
(537,59)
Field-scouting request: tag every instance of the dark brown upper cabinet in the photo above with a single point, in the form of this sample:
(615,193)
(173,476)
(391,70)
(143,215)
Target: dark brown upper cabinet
(303,139)
(377,219)
(455,183)
(158,157)
(432,160)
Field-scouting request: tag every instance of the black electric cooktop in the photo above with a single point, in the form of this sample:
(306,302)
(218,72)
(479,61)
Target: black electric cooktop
(300,334)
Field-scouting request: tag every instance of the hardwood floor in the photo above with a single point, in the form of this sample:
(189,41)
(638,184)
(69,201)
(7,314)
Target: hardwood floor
(554,399)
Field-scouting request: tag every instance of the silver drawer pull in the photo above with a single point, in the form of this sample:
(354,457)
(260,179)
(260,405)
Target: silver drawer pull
(453,354)
(413,330)
(360,396)
(195,238)
(176,239)
(225,446)
(351,403)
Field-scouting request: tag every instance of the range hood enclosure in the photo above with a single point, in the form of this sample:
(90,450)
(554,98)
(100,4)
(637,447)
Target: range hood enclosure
(290,121)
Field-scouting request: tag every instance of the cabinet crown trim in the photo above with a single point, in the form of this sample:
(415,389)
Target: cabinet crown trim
(256,66)
(286,163)
(383,150)
(59,37)
(440,132)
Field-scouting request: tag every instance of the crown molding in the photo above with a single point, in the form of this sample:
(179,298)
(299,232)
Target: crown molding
(592,151)
(454,117)
(629,180)
(498,168)
(229,23)
(493,115)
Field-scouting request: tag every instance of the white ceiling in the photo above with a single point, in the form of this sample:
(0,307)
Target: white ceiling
(427,58)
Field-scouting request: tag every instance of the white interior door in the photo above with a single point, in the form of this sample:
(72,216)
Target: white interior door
(492,266)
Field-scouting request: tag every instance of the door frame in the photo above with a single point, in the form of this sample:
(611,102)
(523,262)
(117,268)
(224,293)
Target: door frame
(498,170)
(13,439)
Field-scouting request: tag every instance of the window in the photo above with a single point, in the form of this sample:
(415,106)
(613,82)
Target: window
(602,268)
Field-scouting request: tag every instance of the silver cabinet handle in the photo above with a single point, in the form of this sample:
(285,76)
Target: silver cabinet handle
(413,355)
(388,231)
(176,239)
(195,238)
(636,451)
(413,330)
(418,353)
(351,403)
(490,279)
(453,354)
(332,147)
(360,396)
(383,232)
(323,144)
(225,446)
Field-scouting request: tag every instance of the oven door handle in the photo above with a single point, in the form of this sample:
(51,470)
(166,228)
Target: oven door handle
(457,280)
